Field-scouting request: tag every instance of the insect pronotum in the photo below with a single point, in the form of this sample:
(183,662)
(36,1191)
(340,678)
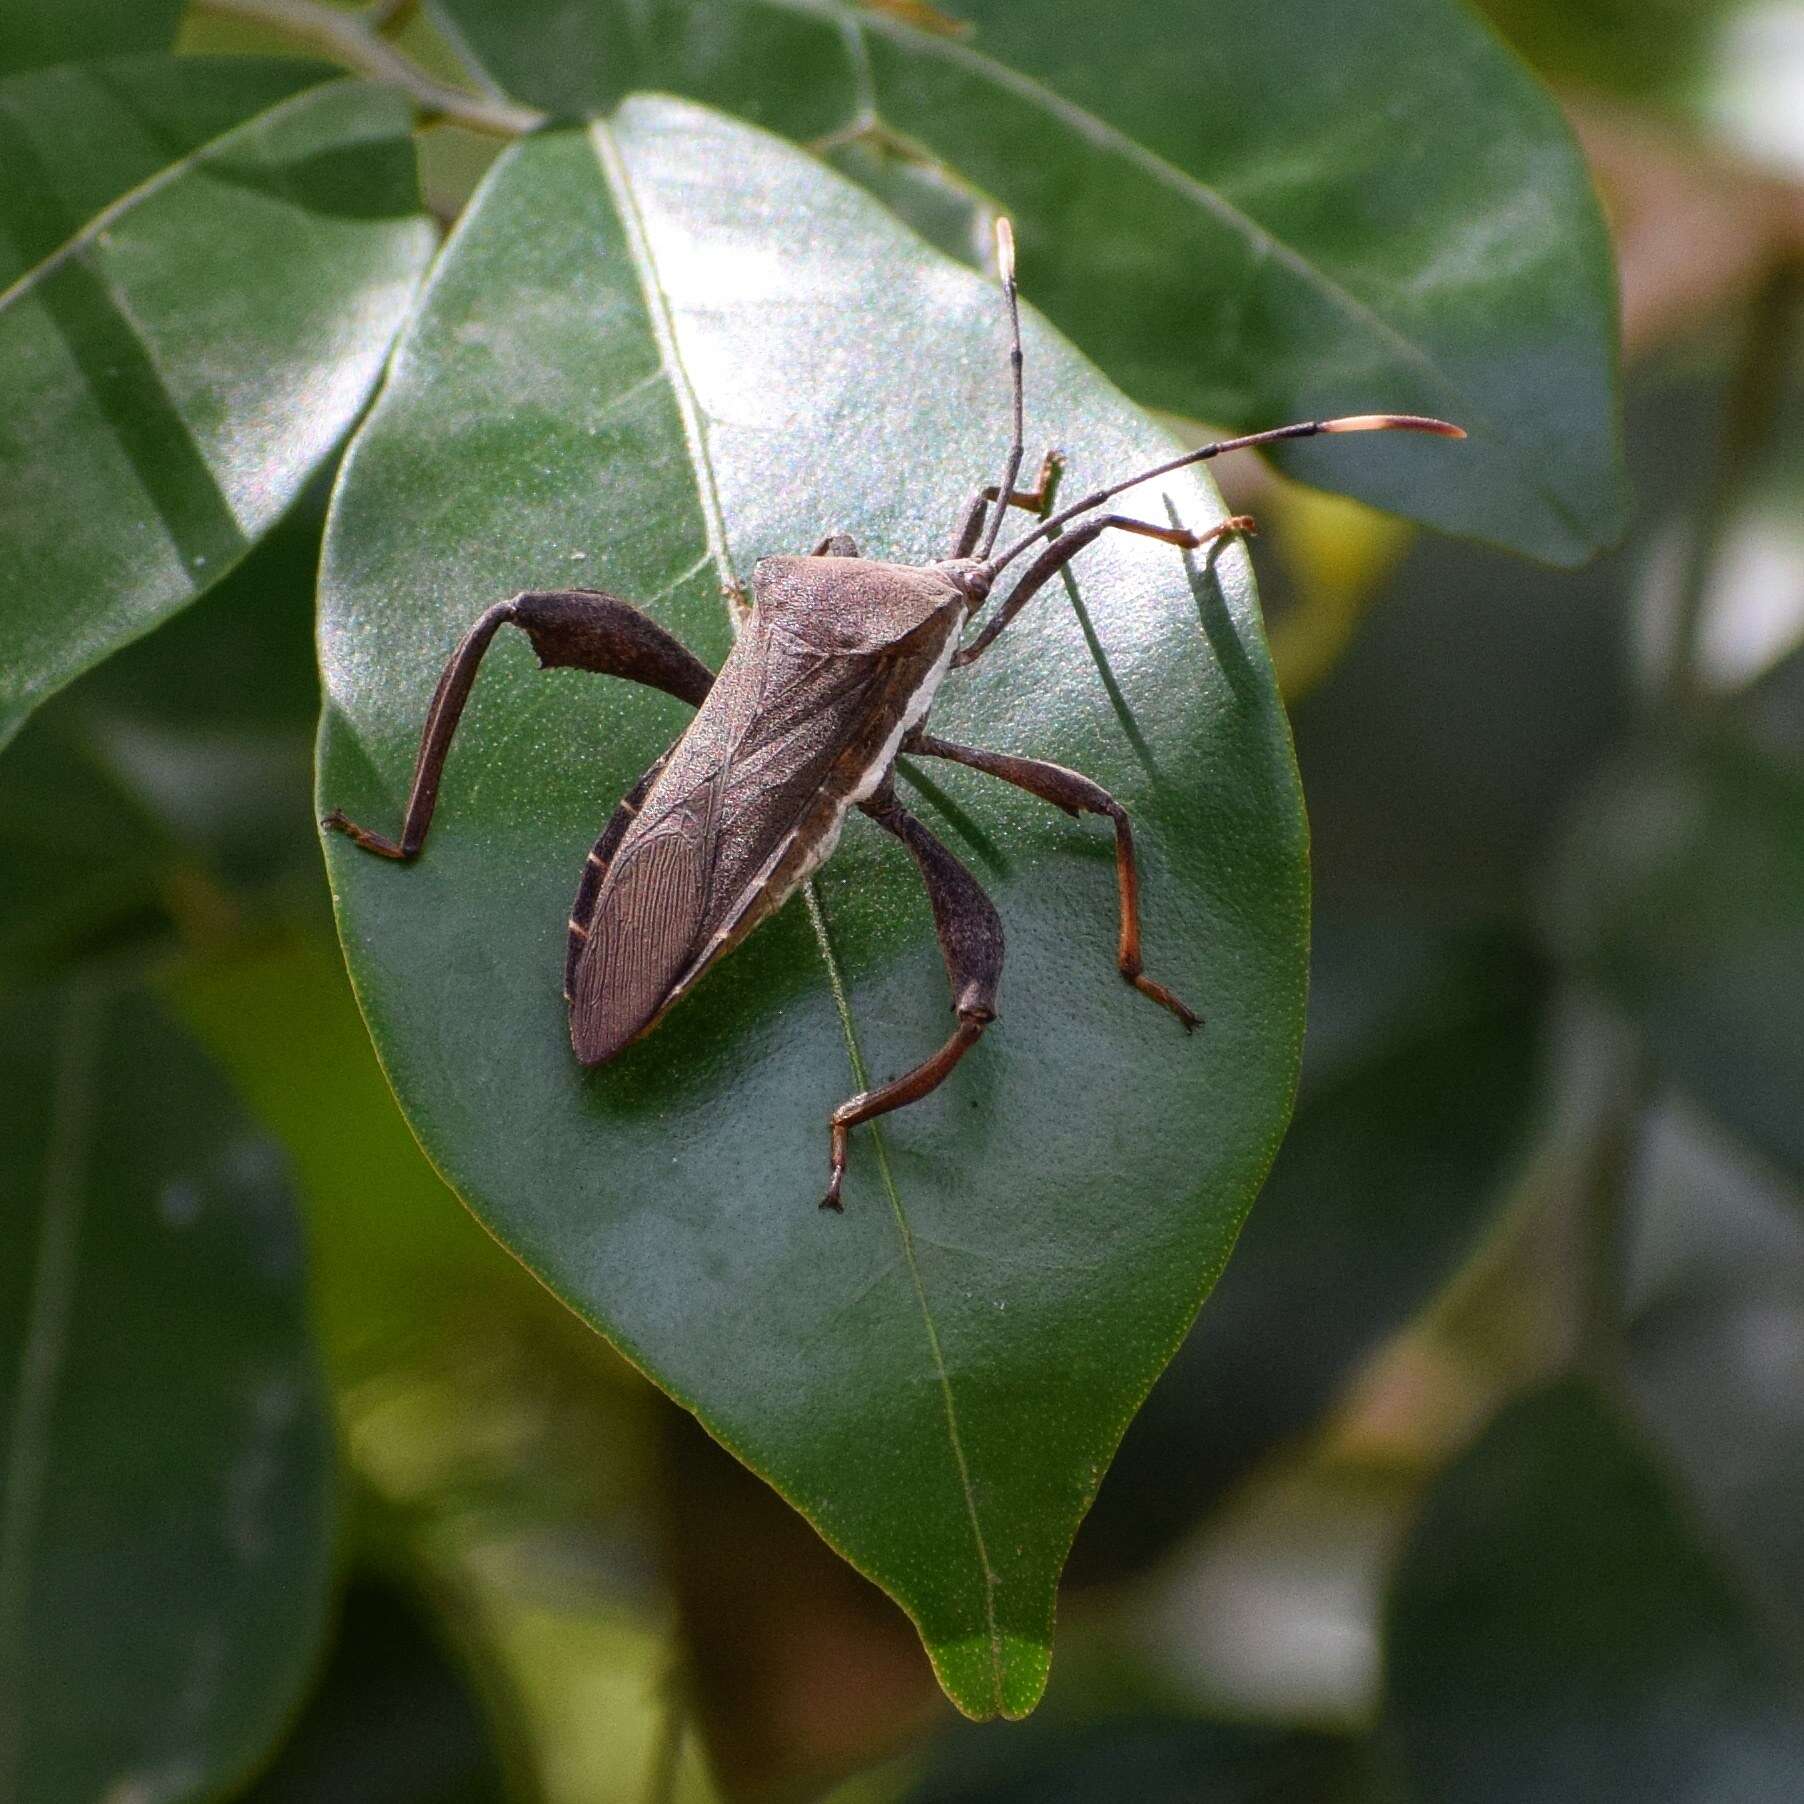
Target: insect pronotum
(831,677)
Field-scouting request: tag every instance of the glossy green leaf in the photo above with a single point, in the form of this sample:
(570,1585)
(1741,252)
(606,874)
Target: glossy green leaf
(204,266)
(654,352)
(168,1496)
(1246,214)
(1558,1630)
(34,33)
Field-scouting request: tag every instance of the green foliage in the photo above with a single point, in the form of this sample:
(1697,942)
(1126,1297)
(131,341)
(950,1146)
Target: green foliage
(710,308)
(1420,1086)
(1557,1626)
(1709,968)
(168,1464)
(161,403)
(1236,228)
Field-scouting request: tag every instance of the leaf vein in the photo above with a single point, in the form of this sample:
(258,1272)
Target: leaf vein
(689,408)
(861,1074)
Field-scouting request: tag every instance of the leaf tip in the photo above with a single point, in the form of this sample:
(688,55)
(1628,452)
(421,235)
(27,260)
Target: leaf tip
(993,1674)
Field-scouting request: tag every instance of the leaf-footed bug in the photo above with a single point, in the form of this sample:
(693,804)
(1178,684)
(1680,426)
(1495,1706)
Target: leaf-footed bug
(830,678)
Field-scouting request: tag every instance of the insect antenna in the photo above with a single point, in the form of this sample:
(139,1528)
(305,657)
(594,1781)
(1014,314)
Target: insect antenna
(1355,422)
(1005,264)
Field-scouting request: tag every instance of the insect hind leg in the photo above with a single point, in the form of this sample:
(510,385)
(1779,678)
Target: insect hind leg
(1076,794)
(970,934)
(582,629)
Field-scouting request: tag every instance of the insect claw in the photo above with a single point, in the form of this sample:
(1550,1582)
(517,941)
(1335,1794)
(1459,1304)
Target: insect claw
(837,1147)
(1158,993)
(339,822)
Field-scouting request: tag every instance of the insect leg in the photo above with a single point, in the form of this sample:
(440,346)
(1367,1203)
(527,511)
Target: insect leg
(970,933)
(1062,550)
(582,629)
(1035,501)
(1076,794)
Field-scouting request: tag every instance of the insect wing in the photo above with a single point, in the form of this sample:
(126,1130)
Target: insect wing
(750,799)
(646,920)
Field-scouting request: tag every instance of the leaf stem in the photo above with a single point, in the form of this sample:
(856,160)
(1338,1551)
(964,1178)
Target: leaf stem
(352,39)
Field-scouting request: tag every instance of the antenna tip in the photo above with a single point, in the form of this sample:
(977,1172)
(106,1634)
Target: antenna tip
(1393,422)
(1005,249)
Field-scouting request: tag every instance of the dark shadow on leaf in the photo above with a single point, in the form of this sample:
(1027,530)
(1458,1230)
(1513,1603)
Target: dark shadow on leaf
(1117,700)
(337,181)
(120,374)
(1214,617)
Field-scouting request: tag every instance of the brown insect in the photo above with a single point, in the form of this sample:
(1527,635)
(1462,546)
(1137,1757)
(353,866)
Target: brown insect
(831,677)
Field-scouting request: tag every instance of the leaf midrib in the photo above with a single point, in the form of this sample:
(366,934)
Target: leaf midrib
(618,180)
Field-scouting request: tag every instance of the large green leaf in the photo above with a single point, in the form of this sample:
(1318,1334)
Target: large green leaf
(654,352)
(1247,214)
(204,265)
(1558,1630)
(166,1527)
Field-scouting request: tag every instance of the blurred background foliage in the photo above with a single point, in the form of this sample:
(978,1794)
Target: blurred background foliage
(1478,1477)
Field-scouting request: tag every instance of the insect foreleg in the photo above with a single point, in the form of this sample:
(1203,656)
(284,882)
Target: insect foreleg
(970,933)
(1076,794)
(1035,501)
(579,628)
(1062,550)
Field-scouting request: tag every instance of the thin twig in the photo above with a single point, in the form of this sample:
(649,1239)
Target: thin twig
(348,38)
